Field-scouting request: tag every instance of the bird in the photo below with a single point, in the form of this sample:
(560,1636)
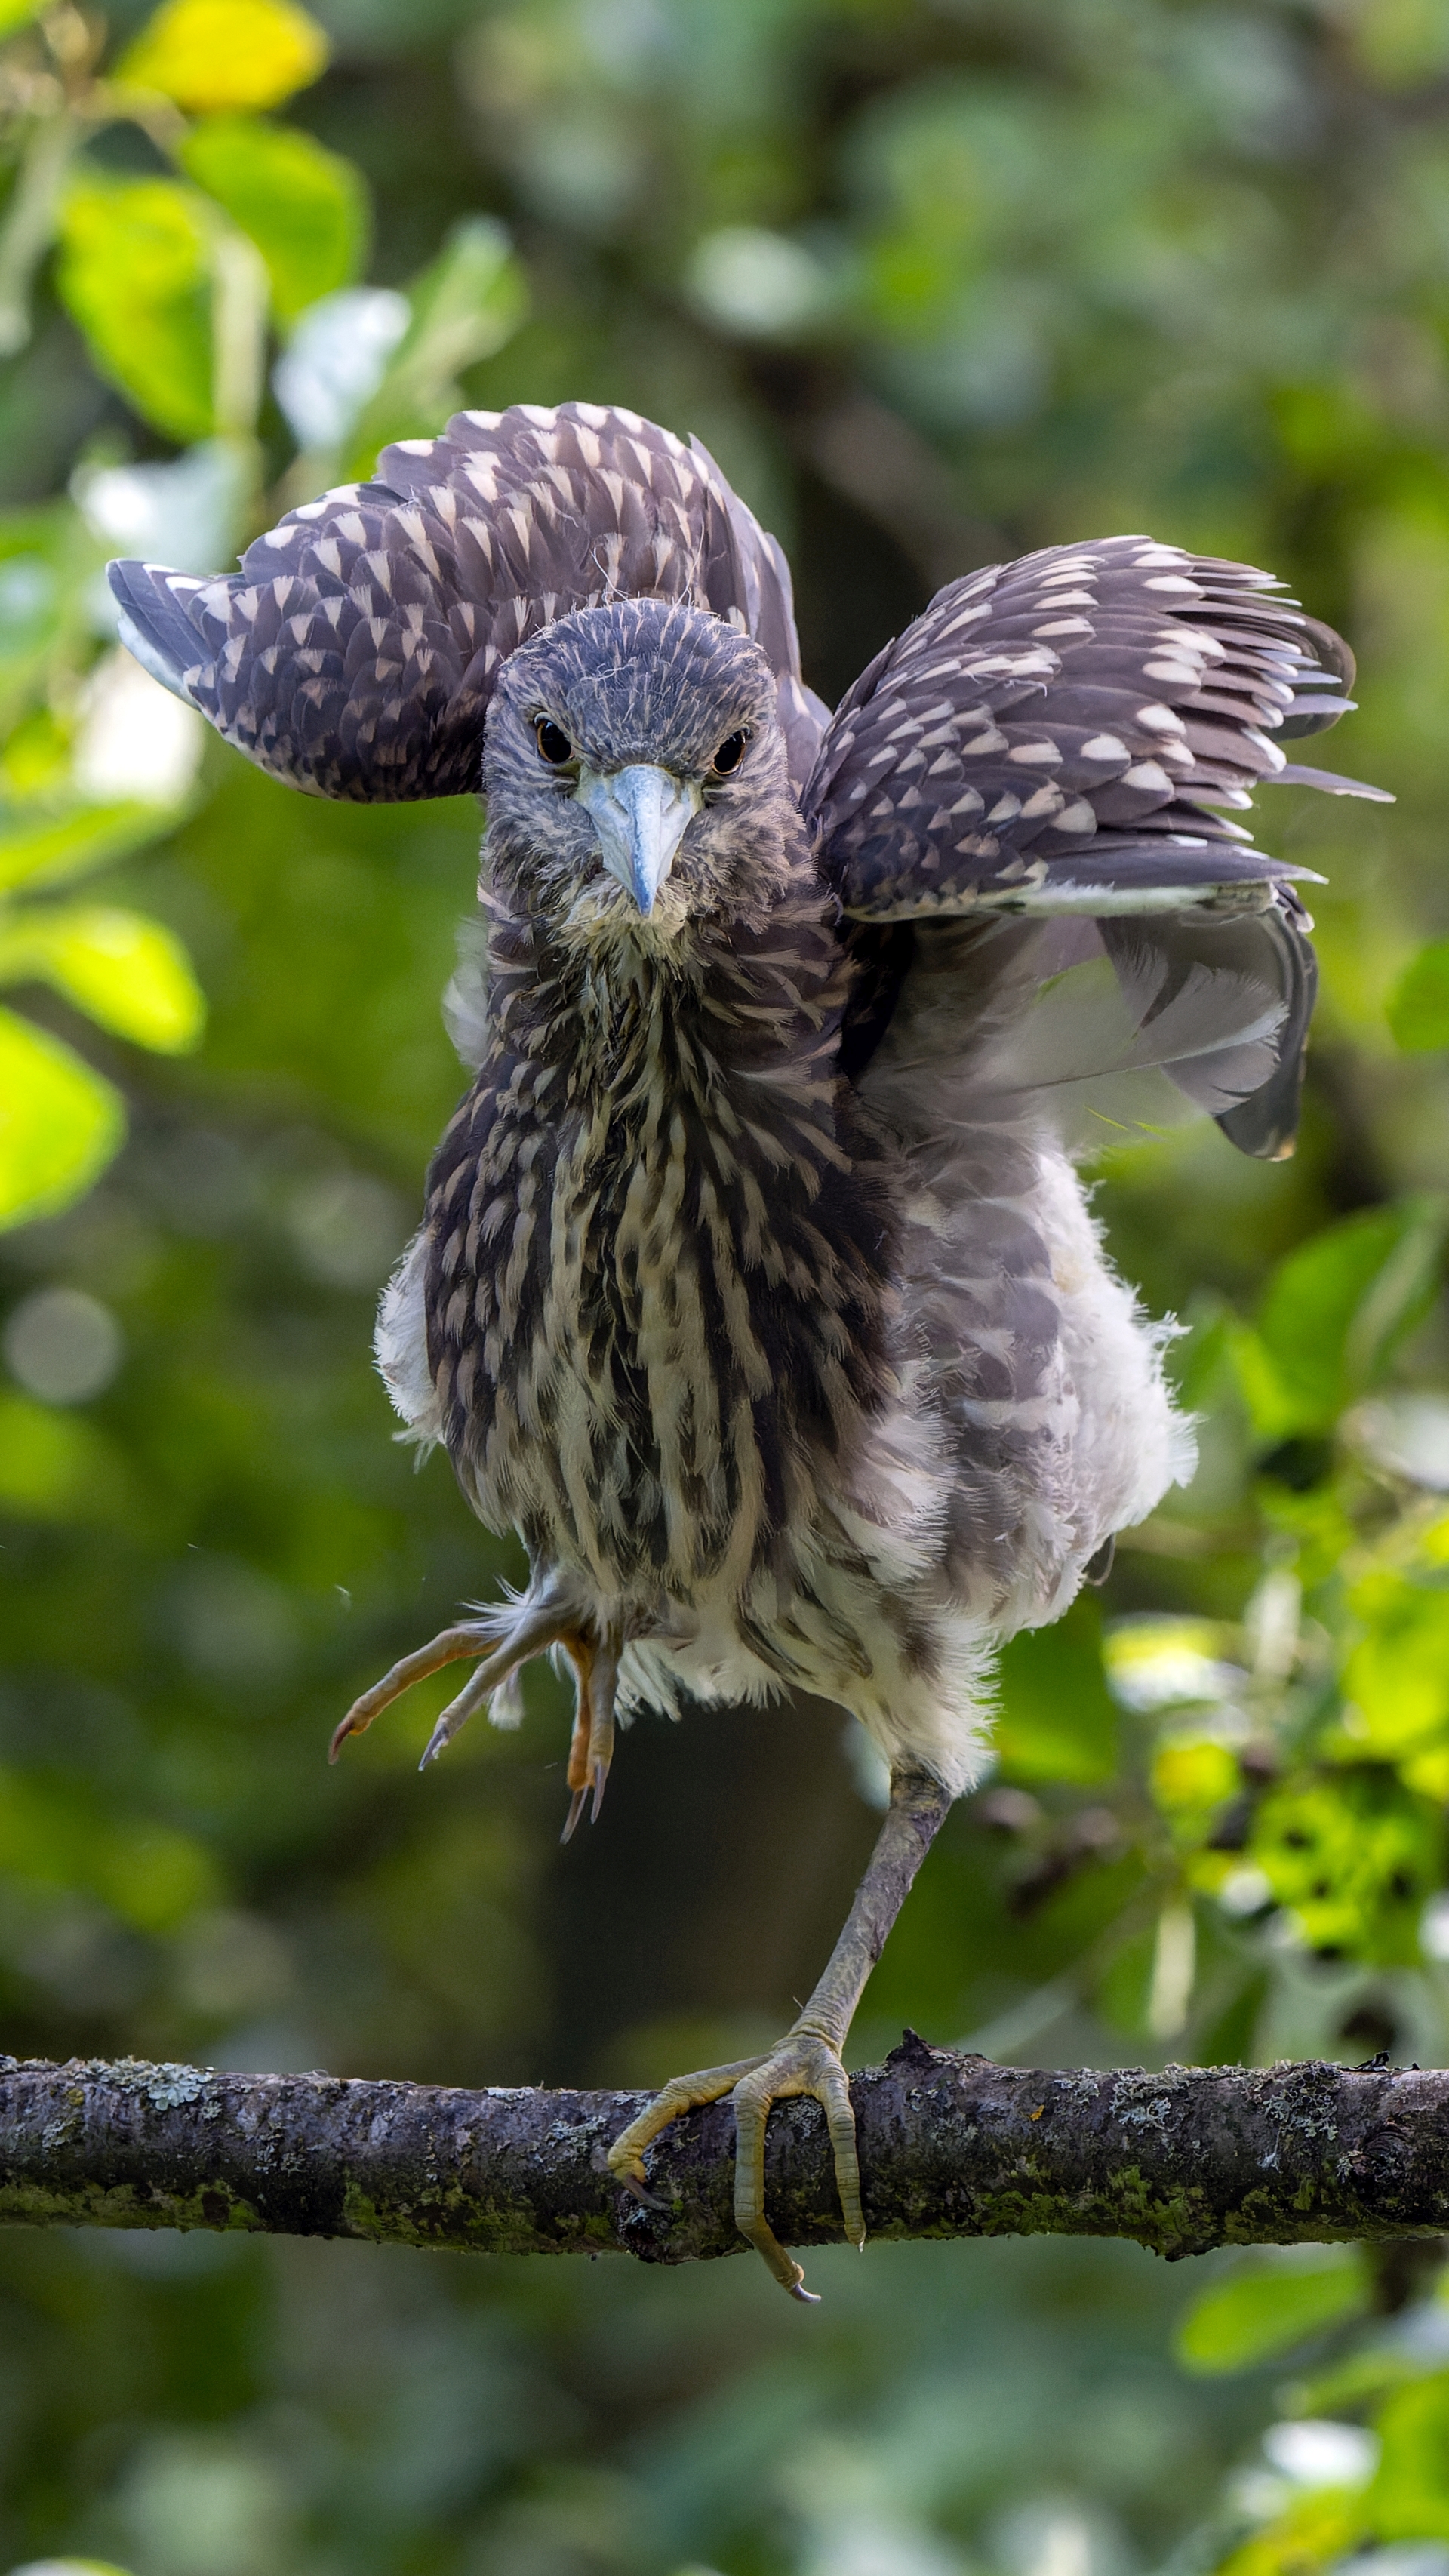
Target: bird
(757,1288)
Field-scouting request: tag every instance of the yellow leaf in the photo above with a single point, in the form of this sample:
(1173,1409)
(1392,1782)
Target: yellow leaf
(1429,1774)
(125,971)
(1191,1779)
(1402,44)
(216,54)
(1308,2537)
(60,1123)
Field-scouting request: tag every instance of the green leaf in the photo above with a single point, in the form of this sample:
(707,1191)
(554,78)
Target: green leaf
(47,559)
(54,1466)
(465,306)
(72,2567)
(1409,2498)
(50,851)
(1397,1676)
(149,1874)
(125,971)
(1401,43)
(1353,1855)
(1418,1009)
(1058,1720)
(211,55)
(31,602)
(135,272)
(305,208)
(60,1123)
(1334,1311)
(1274,1410)
(1266,2308)
(18,13)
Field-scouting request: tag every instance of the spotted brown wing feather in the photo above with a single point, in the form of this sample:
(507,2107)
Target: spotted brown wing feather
(1059,736)
(1056,734)
(355,652)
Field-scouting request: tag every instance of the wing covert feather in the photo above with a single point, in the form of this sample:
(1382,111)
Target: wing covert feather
(1056,734)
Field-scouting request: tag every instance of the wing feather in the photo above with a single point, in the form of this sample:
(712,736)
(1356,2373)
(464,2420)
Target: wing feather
(1059,734)
(355,652)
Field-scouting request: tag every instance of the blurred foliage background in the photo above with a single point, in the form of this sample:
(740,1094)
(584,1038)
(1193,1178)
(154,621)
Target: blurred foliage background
(937,280)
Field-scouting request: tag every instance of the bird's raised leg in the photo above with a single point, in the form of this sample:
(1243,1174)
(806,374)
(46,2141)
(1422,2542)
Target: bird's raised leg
(543,1623)
(578,1770)
(591,1749)
(807,2059)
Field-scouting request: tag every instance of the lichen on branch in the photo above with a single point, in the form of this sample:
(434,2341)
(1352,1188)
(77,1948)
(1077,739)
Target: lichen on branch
(1180,2161)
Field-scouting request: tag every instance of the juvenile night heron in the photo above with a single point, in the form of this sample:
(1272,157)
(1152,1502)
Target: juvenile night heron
(757,1290)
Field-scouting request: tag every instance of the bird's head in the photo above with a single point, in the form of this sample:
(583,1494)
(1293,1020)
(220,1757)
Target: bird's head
(635,772)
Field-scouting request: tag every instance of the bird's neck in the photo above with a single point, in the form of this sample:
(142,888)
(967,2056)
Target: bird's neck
(622,1012)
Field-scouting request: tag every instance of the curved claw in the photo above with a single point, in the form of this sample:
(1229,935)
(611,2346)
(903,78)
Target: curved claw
(802,2062)
(537,1627)
(469,1637)
(596,1674)
(638,2191)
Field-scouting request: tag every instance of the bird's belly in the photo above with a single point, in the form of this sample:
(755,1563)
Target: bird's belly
(611,1415)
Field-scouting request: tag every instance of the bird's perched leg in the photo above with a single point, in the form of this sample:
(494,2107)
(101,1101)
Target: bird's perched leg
(807,2059)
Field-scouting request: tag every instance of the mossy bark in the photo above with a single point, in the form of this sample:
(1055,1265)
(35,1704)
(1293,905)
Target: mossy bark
(950,2146)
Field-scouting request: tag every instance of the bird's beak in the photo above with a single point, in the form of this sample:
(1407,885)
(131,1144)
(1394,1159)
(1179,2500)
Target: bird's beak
(640,814)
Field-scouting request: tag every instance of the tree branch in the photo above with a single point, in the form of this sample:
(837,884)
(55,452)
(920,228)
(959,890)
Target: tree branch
(950,2146)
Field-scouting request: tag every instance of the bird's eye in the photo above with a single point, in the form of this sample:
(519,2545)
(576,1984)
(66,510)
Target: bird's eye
(553,743)
(730,753)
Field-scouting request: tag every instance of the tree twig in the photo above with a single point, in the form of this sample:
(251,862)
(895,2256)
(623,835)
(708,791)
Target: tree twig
(950,2146)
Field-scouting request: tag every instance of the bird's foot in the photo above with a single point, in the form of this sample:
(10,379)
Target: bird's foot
(804,2061)
(596,1674)
(539,1627)
(468,1637)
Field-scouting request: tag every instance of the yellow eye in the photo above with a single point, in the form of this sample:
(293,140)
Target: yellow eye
(730,753)
(553,743)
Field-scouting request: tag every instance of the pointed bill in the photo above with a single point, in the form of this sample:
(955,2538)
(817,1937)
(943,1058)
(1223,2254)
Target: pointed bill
(640,814)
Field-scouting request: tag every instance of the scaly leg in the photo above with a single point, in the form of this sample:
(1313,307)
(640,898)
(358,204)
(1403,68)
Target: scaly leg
(807,2059)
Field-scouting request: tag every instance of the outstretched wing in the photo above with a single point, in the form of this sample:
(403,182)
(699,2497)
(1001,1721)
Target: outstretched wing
(1057,737)
(1052,735)
(355,652)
